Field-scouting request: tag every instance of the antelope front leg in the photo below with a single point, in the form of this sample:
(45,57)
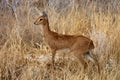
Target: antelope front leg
(53,58)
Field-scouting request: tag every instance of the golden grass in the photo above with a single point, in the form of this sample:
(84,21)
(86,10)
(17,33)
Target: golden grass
(22,44)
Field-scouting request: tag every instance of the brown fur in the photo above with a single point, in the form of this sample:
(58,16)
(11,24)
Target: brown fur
(77,44)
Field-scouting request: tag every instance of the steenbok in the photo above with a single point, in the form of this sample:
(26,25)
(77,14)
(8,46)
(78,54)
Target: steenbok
(80,45)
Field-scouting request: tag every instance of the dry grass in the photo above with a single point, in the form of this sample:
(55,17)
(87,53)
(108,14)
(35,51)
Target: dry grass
(22,44)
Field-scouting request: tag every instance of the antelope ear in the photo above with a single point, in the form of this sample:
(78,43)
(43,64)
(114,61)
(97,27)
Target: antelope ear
(38,11)
(44,14)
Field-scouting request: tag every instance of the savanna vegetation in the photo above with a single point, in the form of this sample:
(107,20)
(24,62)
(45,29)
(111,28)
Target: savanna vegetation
(25,56)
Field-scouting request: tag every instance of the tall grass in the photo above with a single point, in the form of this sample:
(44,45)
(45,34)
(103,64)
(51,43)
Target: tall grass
(22,43)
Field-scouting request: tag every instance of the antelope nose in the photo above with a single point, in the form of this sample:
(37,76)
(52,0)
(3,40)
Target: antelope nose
(34,22)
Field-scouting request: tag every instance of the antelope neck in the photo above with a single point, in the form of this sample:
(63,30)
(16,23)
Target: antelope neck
(46,30)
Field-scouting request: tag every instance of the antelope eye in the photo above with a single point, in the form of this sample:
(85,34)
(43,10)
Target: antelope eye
(41,19)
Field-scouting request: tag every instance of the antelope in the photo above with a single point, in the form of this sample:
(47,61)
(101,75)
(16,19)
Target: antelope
(79,45)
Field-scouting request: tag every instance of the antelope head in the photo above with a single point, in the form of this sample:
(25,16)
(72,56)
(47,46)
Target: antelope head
(42,20)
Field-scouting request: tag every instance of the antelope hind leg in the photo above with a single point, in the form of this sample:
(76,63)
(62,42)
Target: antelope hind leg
(92,59)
